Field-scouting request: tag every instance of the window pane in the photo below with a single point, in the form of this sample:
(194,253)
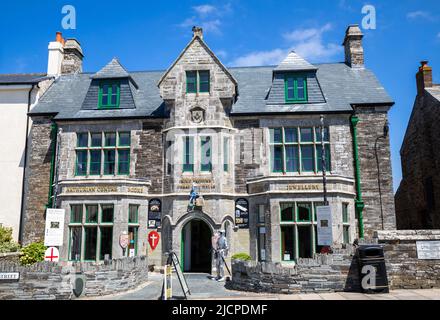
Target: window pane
(106,242)
(75,243)
(95,162)
(188,161)
(109,161)
(110,139)
(287,243)
(90,243)
(96,139)
(261,244)
(226,154)
(319,157)
(290,135)
(277,159)
(133,213)
(105,100)
(206,154)
(292,159)
(346,234)
(306,134)
(304,212)
(305,243)
(107,213)
(290,83)
(204,81)
(191,84)
(307,158)
(300,89)
(92,213)
(124,161)
(287,211)
(105,89)
(81,163)
(114,100)
(124,138)
(82,140)
(261,213)
(318,134)
(76,212)
(276,135)
(345,212)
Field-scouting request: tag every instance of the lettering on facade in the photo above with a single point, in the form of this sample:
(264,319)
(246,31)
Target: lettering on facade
(93,189)
(303,187)
(135,189)
(259,188)
(203,183)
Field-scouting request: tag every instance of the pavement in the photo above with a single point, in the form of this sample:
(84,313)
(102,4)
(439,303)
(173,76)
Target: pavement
(203,288)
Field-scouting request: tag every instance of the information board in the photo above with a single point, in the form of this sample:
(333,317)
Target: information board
(428,250)
(154,213)
(54,231)
(324,225)
(242,213)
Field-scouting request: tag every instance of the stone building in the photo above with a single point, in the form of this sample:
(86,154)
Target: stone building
(131,145)
(418,196)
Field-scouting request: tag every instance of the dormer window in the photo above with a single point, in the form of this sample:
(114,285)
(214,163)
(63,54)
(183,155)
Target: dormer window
(295,88)
(197,81)
(109,95)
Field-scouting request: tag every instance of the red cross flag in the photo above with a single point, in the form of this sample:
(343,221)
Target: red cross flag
(52,254)
(153,239)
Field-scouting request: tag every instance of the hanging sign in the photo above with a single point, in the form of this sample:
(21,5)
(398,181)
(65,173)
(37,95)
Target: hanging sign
(52,254)
(153,239)
(242,213)
(54,231)
(324,225)
(154,213)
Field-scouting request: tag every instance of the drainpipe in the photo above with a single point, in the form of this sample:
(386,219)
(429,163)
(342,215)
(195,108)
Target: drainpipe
(359,204)
(20,228)
(53,134)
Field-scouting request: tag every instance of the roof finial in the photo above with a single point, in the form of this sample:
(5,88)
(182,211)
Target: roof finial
(197,32)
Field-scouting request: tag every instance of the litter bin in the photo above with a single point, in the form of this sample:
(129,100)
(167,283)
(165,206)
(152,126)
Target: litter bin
(372,269)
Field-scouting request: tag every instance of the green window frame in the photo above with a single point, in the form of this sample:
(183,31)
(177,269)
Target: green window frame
(109,95)
(107,213)
(345,212)
(81,163)
(206,154)
(188,154)
(287,209)
(133,232)
(96,214)
(95,139)
(109,162)
(124,139)
(191,82)
(295,88)
(95,163)
(123,161)
(133,213)
(226,154)
(306,206)
(75,243)
(204,83)
(82,139)
(76,213)
(105,241)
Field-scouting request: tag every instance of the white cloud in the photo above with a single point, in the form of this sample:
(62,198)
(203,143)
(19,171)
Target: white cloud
(308,43)
(204,9)
(420,14)
(208,17)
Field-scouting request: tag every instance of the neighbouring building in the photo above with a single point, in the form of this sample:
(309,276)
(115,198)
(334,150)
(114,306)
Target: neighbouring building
(127,148)
(418,196)
(18,95)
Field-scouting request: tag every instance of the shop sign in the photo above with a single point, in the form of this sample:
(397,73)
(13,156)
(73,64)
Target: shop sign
(153,239)
(303,187)
(324,225)
(242,213)
(154,213)
(54,230)
(9,276)
(428,250)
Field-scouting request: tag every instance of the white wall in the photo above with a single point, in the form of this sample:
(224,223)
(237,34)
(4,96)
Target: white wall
(13,110)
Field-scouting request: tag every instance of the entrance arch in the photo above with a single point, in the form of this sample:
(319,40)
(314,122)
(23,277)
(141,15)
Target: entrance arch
(196,246)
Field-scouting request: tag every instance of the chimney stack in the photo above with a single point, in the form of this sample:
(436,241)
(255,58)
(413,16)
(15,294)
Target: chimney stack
(423,77)
(354,52)
(73,57)
(56,53)
(197,31)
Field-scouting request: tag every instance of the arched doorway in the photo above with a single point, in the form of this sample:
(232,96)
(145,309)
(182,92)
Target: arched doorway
(196,246)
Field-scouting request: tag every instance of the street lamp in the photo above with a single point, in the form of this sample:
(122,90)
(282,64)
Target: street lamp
(386,129)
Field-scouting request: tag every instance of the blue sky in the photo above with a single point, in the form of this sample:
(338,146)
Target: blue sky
(148,35)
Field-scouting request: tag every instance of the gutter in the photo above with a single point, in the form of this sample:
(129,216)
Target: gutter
(20,229)
(359,204)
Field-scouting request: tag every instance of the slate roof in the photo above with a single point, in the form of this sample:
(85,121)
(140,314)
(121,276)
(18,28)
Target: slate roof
(341,87)
(293,62)
(434,91)
(23,78)
(112,70)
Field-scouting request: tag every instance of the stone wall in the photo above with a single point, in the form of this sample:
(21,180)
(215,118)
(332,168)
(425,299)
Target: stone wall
(37,179)
(335,272)
(369,128)
(405,270)
(48,280)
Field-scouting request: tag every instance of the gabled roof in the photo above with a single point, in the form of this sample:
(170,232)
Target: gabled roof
(113,70)
(294,62)
(196,37)
(434,91)
(23,78)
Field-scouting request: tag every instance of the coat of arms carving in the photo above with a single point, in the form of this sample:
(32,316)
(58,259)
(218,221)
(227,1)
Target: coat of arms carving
(197,115)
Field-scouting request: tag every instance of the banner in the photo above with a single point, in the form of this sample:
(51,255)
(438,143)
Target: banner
(324,225)
(54,231)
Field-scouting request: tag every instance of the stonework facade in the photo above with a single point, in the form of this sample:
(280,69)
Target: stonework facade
(256,164)
(418,196)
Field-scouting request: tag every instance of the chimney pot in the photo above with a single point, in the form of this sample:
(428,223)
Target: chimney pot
(423,77)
